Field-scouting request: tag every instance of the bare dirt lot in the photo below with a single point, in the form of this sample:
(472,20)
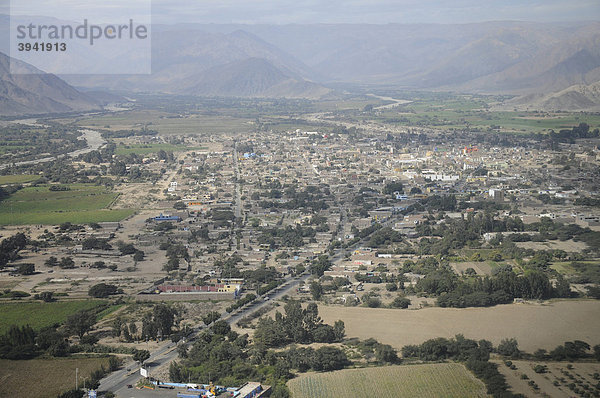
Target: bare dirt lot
(533,325)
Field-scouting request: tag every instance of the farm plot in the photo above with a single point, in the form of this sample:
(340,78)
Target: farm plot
(558,379)
(429,380)
(479,267)
(144,149)
(81,203)
(18,179)
(44,377)
(533,325)
(39,314)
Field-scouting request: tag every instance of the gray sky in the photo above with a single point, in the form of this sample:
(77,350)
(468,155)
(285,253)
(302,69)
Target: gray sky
(336,11)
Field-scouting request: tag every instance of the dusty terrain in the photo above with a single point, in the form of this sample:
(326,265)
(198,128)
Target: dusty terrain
(533,325)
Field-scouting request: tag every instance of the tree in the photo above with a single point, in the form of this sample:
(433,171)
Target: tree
(385,353)
(26,269)
(164,318)
(221,328)
(316,290)
(210,317)
(319,266)
(80,323)
(141,356)
(47,337)
(280,391)
(329,358)
(339,330)
(133,328)
(391,287)
(400,302)
(66,263)
(114,363)
(509,348)
(51,261)
(179,205)
(72,394)
(102,290)
(127,249)
(138,256)
(394,186)
(47,297)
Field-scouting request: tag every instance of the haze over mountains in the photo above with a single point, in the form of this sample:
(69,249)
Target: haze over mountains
(534,60)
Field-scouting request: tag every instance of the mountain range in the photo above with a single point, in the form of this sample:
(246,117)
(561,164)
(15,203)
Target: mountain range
(531,60)
(30,91)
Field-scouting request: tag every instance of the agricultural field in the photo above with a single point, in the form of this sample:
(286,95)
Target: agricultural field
(80,204)
(481,268)
(38,314)
(144,149)
(533,325)
(17,179)
(560,379)
(44,377)
(567,245)
(470,111)
(430,380)
(166,123)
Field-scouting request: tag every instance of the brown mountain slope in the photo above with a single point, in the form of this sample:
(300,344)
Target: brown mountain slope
(33,92)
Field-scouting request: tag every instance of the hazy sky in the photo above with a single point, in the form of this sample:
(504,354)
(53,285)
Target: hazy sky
(340,11)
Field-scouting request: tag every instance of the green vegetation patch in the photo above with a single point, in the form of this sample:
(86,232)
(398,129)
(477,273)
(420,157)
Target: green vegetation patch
(143,149)
(473,112)
(431,380)
(109,310)
(40,314)
(17,179)
(167,123)
(45,377)
(78,203)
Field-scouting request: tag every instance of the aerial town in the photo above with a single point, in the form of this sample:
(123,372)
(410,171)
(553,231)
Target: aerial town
(303,208)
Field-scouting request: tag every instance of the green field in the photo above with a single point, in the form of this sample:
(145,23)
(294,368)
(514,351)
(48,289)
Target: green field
(430,380)
(164,123)
(143,149)
(470,112)
(40,314)
(81,204)
(17,179)
(41,378)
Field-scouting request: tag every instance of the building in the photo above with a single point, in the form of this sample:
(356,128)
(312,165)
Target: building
(252,390)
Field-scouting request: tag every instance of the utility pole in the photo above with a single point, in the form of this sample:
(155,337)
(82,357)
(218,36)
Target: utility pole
(76,378)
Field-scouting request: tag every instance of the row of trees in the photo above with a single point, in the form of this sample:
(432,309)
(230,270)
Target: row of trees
(497,289)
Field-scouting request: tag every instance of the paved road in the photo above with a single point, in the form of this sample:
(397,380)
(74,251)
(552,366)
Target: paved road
(238,188)
(118,381)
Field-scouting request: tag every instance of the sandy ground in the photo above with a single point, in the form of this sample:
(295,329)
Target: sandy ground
(77,281)
(545,381)
(533,325)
